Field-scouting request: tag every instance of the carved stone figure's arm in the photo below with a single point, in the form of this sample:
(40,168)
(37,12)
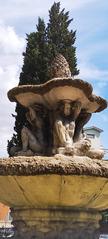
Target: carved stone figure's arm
(70,128)
(30,115)
(75,110)
(82,119)
(60,130)
(24,139)
(33,119)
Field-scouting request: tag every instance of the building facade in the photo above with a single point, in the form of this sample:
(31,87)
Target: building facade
(93,133)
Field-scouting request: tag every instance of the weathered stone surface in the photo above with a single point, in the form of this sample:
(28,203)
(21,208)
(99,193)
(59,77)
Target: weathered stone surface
(59,164)
(55,224)
(59,181)
(59,67)
(70,89)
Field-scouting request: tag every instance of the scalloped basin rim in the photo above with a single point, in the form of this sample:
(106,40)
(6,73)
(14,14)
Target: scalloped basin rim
(58,164)
(58,89)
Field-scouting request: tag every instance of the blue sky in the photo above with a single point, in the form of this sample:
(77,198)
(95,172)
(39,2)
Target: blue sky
(18,17)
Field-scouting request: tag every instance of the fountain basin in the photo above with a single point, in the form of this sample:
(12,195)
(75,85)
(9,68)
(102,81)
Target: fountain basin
(50,182)
(54,191)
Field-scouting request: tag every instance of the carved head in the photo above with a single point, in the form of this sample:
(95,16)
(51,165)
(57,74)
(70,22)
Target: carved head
(64,107)
(76,106)
(68,107)
(39,110)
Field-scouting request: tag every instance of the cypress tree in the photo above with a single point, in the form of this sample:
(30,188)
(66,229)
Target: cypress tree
(60,39)
(42,46)
(35,65)
(34,71)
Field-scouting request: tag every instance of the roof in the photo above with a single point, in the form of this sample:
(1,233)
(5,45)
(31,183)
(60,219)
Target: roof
(4,210)
(94,128)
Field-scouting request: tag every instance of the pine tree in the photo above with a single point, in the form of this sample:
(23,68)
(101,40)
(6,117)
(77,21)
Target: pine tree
(42,46)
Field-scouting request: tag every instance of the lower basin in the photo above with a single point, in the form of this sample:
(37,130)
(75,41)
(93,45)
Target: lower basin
(54,190)
(40,183)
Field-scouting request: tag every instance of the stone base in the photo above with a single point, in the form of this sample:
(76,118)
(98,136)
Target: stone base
(55,224)
(54,197)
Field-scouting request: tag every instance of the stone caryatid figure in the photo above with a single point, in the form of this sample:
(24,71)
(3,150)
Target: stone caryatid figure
(32,137)
(64,125)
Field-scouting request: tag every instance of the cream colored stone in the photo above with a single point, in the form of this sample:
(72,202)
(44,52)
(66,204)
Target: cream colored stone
(44,191)
(55,95)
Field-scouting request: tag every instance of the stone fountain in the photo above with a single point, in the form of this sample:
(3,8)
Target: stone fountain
(55,183)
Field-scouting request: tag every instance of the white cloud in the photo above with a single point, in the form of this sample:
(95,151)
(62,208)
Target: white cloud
(90,49)
(14,9)
(94,75)
(91,72)
(10,43)
(11,48)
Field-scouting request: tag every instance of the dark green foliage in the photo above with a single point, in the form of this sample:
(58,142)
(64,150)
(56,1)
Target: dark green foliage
(60,39)
(20,120)
(41,48)
(35,66)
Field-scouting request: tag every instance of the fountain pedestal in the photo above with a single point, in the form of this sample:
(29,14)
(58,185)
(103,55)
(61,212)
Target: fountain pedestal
(59,196)
(54,197)
(55,223)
